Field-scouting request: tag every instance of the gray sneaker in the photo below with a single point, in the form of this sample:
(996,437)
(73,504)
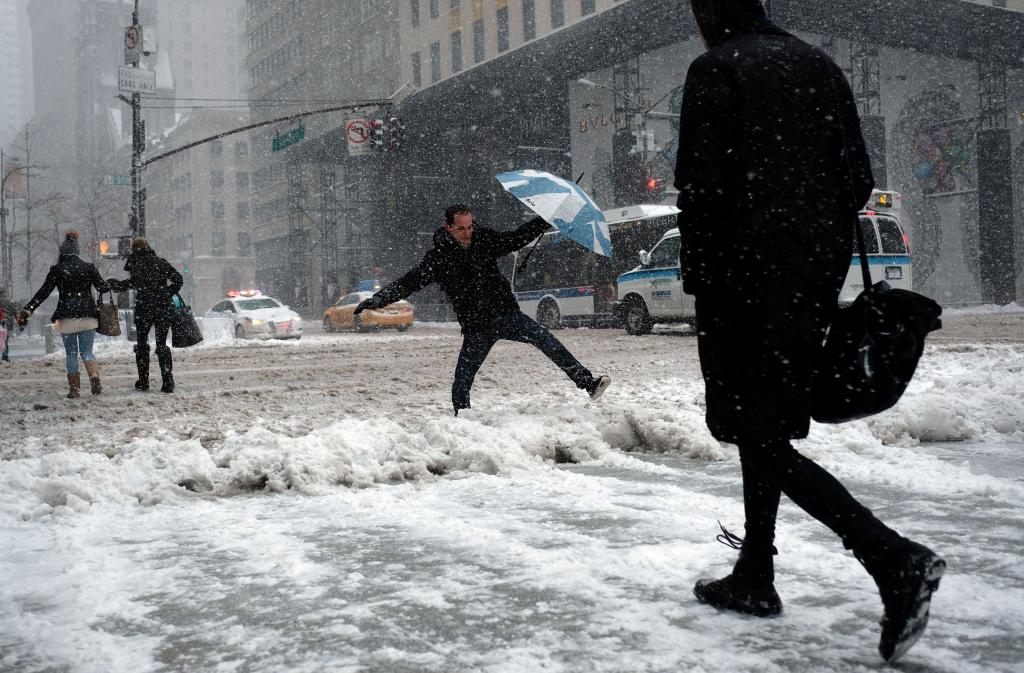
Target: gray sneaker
(599,386)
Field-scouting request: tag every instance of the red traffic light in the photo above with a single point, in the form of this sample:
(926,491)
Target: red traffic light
(652,184)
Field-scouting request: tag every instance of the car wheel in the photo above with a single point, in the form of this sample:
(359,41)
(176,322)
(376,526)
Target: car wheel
(328,326)
(638,320)
(239,332)
(549,317)
(402,328)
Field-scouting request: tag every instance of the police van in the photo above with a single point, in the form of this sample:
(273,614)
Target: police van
(653,291)
(559,283)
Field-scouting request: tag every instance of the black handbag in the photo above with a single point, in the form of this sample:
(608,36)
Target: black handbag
(108,322)
(185,330)
(872,349)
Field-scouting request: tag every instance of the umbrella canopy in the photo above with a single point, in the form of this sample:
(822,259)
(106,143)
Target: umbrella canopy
(563,204)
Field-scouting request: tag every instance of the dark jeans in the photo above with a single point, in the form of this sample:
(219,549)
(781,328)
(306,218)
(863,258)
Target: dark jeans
(513,327)
(143,323)
(776,467)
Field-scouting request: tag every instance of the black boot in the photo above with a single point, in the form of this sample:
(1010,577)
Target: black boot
(142,364)
(163,356)
(906,578)
(750,587)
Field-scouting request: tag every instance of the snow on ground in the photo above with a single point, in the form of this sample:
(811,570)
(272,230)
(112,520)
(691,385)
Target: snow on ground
(313,506)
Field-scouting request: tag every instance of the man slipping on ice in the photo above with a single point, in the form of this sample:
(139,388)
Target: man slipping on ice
(464,262)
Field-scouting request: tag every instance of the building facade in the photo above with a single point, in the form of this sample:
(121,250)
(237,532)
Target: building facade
(13,96)
(198,210)
(317,210)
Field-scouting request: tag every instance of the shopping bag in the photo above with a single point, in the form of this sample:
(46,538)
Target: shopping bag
(108,318)
(185,330)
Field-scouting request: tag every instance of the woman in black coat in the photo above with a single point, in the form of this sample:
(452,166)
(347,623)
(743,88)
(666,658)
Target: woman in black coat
(155,283)
(76,317)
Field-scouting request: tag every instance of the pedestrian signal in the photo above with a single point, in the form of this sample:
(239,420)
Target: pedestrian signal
(104,247)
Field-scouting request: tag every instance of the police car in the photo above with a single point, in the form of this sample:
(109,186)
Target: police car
(653,291)
(257,316)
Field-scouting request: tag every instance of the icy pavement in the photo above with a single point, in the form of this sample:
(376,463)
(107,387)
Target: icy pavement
(312,506)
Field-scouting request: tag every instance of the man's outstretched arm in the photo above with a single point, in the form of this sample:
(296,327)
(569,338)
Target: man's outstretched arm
(416,279)
(506,242)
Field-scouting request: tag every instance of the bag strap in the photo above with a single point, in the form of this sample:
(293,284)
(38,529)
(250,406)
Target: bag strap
(864,269)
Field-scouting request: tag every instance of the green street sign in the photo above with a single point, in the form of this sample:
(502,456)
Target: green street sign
(117,180)
(288,138)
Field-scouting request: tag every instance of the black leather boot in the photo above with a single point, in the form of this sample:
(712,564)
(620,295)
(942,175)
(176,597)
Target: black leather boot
(142,364)
(750,587)
(163,356)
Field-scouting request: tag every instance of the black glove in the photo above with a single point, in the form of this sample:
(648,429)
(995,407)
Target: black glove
(371,303)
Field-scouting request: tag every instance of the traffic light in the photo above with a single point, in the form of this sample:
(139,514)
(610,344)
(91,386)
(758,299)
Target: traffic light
(104,247)
(377,134)
(653,188)
(395,134)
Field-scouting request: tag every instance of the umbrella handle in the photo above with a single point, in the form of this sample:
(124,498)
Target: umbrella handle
(530,252)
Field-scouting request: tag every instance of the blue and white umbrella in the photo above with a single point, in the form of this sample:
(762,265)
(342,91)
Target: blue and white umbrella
(563,204)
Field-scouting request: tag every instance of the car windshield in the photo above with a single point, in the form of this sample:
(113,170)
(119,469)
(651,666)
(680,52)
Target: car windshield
(253,304)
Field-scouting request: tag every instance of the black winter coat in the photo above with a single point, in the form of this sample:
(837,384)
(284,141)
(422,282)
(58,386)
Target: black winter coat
(74,280)
(469,276)
(155,283)
(771,171)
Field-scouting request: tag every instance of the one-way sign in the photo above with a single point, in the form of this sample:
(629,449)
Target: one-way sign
(136,80)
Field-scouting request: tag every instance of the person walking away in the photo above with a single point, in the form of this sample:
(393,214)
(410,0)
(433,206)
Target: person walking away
(155,283)
(463,262)
(771,172)
(6,324)
(76,317)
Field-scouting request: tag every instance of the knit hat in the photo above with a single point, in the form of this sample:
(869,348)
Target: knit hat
(70,244)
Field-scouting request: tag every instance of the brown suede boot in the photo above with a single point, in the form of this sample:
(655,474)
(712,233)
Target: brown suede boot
(74,385)
(93,370)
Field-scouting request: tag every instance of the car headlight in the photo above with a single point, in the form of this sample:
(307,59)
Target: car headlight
(254,321)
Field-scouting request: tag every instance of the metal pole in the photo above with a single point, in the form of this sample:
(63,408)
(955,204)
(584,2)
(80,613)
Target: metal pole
(3,225)
(137,220)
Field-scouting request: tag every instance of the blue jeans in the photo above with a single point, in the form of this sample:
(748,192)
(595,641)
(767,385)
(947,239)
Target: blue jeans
(513,327)
(78,343)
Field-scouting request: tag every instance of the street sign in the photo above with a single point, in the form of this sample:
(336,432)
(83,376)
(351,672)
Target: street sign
(357,132)
(117,180)
(132,44)
(288,138)
(136,80)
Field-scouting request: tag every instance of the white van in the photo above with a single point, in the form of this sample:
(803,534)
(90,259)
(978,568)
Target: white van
(653,292)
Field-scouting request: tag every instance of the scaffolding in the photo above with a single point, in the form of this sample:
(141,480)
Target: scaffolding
(865,78)
(298,286)
(627,88)
(328,235)
(992,102)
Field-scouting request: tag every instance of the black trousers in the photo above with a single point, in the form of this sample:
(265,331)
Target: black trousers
(775,467)
(162,325)
(513,327)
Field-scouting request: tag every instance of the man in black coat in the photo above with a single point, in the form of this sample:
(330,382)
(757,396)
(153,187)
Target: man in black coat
(771,172)
(464,262)
(155,283)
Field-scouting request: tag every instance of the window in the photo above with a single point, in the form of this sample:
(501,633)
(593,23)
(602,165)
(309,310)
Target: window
(242,180)
(435,62)
(414,8)
(454,4)
(529,21)
(587,7)
(870,239)
(478,41)
(244,244)
(217,210)
(557,13)
(892,237)
(435,8)
(216,148)
(417,76)
(457,51)
(503,29)
(666,254)
(241,150)
(216,179)
(217,243)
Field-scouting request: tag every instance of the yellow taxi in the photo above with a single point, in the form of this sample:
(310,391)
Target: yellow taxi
(341,316)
